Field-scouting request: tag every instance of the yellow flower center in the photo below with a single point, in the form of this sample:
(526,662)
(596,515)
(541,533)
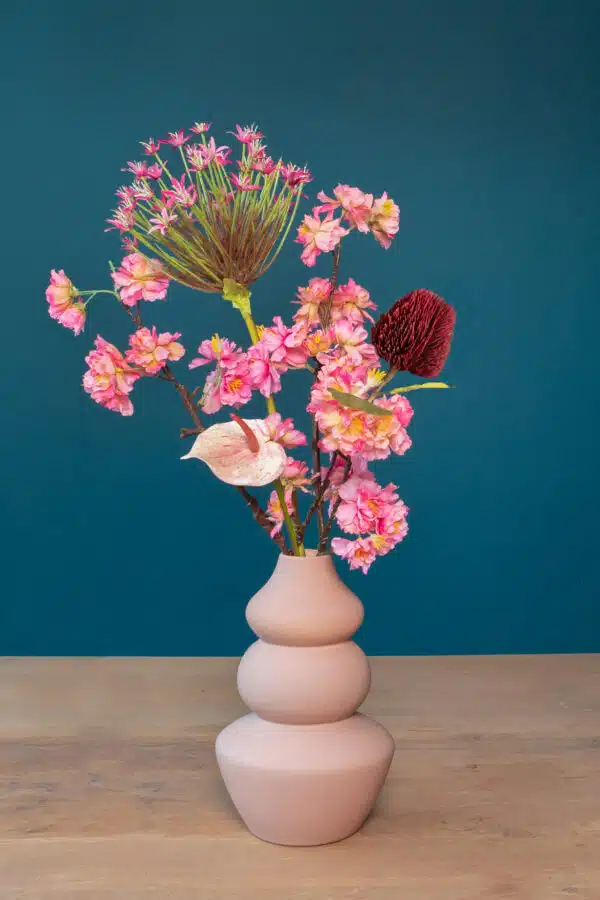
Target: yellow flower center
(234,385)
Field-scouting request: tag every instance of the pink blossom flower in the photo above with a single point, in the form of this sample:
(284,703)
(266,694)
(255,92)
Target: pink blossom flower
(283,431)
(285,344)
(139,169)
(130,244)
(195,157)
(319,236)
(65,306)
(244,183)
(122,220)
(365,505)
(139,278)
(155,171)
(141,191)
(361,554)
(176,138)
(126,195)
(294,175)
(247,134)
(150,350)
(310,299)
(151,146)
(162,222)
(353,341)
(240,452)
(227,387)
(352,431)
(200,127)
(181,193)
(295,475)
(356,207)
(109,379)
(220,349)
(385,220)
(275,510)
(265,374)
(213,154)
(263,164)
(352,301)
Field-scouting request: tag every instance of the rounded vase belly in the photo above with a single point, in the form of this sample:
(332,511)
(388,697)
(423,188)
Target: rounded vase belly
(304,785)
(304,685)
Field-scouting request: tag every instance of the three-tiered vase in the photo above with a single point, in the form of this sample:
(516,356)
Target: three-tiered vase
(304,768)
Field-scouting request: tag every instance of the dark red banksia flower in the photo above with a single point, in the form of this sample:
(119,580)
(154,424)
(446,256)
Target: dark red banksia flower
(416,333)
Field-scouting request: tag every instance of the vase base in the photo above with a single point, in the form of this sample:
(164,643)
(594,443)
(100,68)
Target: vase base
(304,785)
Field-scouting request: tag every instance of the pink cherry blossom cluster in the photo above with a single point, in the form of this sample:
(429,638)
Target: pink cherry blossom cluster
(355,423)
(360,211)
(238,373)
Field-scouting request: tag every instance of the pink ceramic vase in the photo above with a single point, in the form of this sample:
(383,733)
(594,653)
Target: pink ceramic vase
(304,768)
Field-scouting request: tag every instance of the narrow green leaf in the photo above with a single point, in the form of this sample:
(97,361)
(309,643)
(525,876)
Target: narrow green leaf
(417,387)
(352,402)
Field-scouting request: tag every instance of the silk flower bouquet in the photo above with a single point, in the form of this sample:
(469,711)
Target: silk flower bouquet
(216,226)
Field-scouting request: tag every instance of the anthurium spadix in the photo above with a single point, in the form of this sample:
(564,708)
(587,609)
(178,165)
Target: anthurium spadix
(240,452)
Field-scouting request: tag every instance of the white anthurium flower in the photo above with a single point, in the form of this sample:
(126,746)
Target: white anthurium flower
(240,452)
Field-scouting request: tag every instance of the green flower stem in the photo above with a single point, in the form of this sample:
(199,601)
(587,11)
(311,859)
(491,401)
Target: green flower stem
(297,547)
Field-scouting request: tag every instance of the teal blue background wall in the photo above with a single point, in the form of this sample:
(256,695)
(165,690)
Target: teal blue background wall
(481,119)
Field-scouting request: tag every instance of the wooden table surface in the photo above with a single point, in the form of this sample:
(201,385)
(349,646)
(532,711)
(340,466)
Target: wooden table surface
(109,788)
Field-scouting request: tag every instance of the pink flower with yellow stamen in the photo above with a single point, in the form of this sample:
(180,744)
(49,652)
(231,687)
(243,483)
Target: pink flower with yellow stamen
(151,351)
(295,475)
(285,344)
(355,205)
(352,301)
(361,554)
(264,372)
(139,278)
(319,236)
(217,349)
(64,303)
(231,386)
(310,300)
(384,221)
(109,379)
(283,431)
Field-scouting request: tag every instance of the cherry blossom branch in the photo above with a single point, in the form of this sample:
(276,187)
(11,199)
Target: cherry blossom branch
(316,505)
(188,400)
(316,435)
(322,548)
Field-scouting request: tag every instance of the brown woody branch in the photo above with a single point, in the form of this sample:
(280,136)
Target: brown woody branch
(325,538)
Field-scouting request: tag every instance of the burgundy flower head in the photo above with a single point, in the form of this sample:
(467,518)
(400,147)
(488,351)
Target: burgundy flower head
(416,333)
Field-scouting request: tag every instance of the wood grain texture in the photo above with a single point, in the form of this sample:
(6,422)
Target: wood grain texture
(109,788)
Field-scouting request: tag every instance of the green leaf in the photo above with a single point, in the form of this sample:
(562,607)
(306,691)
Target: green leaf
(352,402)
(237,294)
(418,387)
